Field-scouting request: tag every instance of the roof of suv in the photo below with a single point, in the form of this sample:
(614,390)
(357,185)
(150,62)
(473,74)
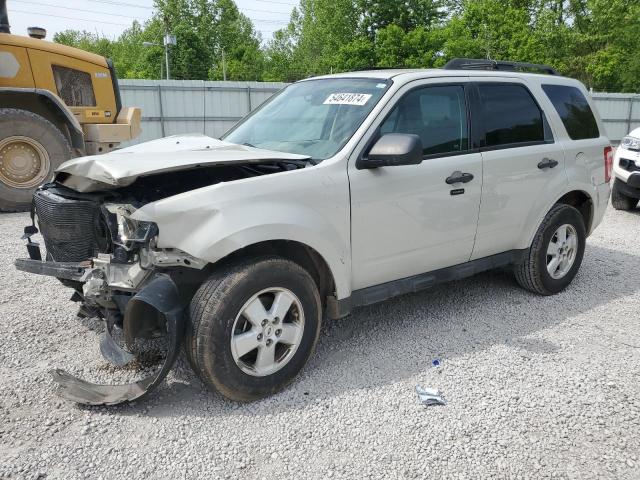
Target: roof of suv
(413,73)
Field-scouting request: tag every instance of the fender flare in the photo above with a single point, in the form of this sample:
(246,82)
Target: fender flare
(572,188)
(338,264)
(51,103)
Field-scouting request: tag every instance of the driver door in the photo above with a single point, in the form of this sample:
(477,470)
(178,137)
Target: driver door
(408,220)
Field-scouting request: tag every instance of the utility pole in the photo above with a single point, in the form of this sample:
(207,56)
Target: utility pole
(224,66)
(168,40)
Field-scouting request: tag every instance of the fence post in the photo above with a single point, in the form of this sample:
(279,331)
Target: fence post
(161,112)
(249,98)
(630,117)
(204,108)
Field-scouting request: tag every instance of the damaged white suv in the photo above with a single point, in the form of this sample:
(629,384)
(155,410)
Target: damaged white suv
(338,192)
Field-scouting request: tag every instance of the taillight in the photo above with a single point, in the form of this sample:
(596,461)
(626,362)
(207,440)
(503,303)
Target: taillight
(608,163)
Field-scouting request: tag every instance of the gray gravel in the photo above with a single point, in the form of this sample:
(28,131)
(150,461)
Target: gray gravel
(536,387)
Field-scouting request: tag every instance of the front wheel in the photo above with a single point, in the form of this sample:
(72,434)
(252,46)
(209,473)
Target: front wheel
(253,326)
(556,252)
(619,200)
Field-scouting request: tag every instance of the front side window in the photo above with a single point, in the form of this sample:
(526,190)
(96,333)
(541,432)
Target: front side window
(314,117)
(574,110)
(74,87)
(437,114)
(510,115)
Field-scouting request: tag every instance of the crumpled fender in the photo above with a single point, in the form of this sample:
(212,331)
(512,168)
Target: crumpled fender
(162,294)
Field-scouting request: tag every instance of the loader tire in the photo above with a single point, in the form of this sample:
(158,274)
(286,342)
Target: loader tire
(31,148)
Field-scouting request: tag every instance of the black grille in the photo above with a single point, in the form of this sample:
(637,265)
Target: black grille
(72,229)
(629,165)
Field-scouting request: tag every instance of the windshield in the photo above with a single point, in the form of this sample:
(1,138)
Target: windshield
(314,117)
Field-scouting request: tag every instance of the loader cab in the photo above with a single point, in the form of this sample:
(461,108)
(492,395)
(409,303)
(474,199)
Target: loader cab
(85,82)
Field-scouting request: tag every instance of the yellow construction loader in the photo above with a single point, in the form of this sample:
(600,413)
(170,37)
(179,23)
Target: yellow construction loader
(56,102)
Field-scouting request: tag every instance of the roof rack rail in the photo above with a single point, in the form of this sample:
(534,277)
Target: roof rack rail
(504,65)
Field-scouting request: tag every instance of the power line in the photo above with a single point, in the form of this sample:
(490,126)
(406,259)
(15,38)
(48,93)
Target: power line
(256,10)
(279,3)
(122,4)
(271,21)
(71,18)
(74,9)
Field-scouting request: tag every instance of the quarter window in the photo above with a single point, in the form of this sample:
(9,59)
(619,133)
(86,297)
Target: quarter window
(510,115)
(574,110)
(74,87)
(437,114)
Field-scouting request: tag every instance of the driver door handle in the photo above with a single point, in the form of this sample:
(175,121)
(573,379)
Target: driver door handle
(459,177)
(547,163)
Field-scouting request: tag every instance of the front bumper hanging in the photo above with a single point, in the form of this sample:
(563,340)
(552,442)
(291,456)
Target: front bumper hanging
(64,270)
(161,294)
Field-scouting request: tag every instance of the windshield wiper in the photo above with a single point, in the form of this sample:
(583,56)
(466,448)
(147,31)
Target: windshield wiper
(310,160)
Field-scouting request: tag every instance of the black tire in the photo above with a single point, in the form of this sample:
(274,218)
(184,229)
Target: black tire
(619,200)
(212,314)
(22,123)
(532,273)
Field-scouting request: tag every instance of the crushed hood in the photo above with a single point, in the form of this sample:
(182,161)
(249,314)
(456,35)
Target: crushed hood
(121,168)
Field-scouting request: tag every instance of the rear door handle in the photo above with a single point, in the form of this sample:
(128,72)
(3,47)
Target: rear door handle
(459,177)
(547,163)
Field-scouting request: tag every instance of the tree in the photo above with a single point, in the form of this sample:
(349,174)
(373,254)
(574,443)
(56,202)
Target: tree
(407,14)
(595,41)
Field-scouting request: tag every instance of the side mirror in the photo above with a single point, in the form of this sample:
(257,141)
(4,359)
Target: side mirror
(393,149)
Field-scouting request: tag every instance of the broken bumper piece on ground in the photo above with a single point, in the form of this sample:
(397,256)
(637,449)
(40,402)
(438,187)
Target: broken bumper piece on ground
(160,294)
(430,396)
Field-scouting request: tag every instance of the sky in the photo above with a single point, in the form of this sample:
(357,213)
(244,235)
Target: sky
(110,17)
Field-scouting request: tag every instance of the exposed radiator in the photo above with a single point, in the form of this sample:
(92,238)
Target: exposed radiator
(73,229)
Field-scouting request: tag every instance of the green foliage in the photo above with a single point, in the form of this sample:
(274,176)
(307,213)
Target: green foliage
(593,40)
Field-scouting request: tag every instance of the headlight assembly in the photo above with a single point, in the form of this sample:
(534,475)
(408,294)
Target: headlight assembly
(630,143)
(125,231)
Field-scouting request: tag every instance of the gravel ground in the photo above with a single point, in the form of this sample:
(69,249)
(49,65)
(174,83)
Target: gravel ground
(536,387)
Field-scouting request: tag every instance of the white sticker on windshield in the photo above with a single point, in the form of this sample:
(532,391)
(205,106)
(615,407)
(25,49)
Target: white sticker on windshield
(359,99)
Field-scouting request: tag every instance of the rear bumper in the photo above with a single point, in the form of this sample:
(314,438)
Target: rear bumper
(603,192)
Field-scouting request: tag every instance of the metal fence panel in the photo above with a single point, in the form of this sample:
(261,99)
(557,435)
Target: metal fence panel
(620,113)
(172,107)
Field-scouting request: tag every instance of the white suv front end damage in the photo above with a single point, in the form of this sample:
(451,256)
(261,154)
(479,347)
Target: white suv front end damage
(95,245)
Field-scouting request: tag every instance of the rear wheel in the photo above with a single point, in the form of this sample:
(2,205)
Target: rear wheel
(31,148)
(253,326)
(619,200)
(556,252)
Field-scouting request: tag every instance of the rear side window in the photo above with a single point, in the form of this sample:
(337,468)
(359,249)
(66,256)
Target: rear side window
(510,115)
(74,87)
(574,111)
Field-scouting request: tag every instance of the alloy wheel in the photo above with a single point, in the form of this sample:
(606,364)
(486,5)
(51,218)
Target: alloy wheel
(267,331)
(562,251)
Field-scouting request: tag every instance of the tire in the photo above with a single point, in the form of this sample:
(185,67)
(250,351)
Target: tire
(619,200)
(532,273)
(39,139)
(214,319)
